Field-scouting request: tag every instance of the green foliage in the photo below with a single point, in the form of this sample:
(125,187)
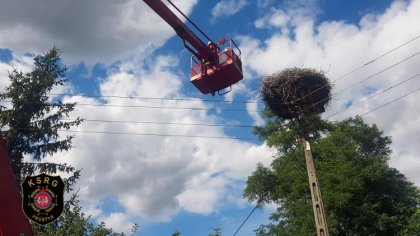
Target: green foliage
(413,228)
(33,122)
(134,228)
(362,195)
(217,231)
(176,233)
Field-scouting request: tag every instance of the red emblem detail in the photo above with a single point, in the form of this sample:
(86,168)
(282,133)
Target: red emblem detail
(42,199)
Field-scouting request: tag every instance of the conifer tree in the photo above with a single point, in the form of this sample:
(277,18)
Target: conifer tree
(31,120)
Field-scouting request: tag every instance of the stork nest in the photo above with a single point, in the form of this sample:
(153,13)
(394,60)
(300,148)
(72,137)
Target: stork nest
(296,92)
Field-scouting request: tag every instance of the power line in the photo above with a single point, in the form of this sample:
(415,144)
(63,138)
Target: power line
(153,98)
(160,107)
(379,72)
(163,123)
(366,79)
(256,206)
(392,101)
(377,58)
(236,101)
(158,135)
(145,134)
(360,67)
(241,110)
(376,94)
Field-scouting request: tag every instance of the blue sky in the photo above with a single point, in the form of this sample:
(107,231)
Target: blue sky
(166,183)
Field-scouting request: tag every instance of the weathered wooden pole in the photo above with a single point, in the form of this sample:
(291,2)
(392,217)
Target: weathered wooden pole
(318,207)
(297,93)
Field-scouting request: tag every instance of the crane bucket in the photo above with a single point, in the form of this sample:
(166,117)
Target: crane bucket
(225,70)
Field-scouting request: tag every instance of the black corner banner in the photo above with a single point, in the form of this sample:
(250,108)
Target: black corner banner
(43,198)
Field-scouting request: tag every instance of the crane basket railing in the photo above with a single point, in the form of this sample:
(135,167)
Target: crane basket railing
(226,51)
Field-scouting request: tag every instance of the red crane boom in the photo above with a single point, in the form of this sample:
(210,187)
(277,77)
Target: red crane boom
(212,69)
(180,28)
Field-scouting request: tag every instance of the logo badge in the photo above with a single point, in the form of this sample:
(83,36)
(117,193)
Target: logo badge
(43,198)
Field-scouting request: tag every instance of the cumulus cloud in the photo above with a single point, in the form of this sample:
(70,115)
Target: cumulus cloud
(22,63)
(264,3)
(252,108)
(154,177)
(4,73)
(91,31)
(279,18)
(226,8)
(337,48)
(118,222)
(287,17)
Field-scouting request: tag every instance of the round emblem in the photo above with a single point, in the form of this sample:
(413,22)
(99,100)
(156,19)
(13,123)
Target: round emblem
(42,199)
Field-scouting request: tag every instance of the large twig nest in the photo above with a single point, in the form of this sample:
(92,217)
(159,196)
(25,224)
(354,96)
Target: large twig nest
(296,92)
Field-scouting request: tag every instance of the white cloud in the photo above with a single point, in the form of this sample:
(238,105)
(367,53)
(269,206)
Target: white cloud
(153,178)
(119,222)
(289,16)
(252,108)
(278,18)
(91,31)
(4,75)
(19,62)
(264,3)
(337,48)
(202,194)
(227,8)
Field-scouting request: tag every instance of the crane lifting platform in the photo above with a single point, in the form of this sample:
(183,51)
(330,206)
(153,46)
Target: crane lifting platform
(214,66)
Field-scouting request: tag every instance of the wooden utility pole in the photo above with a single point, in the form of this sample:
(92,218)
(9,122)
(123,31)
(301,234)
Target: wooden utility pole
(318,207)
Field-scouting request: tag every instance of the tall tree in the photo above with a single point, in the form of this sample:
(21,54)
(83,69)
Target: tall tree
(33,120)
(362,194)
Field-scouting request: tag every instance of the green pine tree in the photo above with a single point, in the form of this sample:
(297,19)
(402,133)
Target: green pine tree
(31,125)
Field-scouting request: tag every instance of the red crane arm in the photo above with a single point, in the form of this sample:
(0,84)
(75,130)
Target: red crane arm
(180,28)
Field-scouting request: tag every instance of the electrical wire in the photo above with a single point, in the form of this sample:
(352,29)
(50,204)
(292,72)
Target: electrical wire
(360,67)
(246,102)
(172,108)
(161,107)
(241,110)
(158,135)
(152,98)
(379,72)
(162,123)
(390,102)
(377,58)
(364,80)
(146,134)
(243,223)
(374,95)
